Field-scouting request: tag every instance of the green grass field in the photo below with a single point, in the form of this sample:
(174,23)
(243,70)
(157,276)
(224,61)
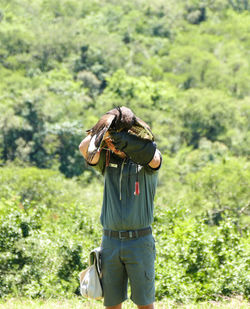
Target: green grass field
(78,303)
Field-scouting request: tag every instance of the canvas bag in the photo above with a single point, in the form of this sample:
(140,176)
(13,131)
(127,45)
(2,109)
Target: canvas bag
(90,283)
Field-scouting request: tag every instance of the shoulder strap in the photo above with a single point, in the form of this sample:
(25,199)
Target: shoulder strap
(94,258)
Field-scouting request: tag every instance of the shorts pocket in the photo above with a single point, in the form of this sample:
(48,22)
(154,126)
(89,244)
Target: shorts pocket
(150,274)
(149,245)
(147,242)
(108,243)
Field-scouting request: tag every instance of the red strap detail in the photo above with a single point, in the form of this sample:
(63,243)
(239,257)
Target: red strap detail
(137,188)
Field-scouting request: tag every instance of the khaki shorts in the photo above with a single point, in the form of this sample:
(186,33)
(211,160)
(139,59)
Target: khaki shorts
(131,259)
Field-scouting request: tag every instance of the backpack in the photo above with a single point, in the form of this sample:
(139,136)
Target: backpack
(90,278)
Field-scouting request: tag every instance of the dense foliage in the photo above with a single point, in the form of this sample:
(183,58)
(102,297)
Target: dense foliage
(49,224)
(183,67)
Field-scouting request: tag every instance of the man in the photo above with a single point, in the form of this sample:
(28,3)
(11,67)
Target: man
(128,249)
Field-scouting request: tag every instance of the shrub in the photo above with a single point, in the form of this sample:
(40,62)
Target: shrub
(196,262)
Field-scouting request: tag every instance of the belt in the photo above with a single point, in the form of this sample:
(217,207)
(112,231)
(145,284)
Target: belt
(128,234)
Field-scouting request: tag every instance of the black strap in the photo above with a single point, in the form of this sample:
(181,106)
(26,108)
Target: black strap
(128,234)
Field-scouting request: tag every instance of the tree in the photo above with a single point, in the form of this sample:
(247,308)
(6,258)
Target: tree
(23,134)
(206,113)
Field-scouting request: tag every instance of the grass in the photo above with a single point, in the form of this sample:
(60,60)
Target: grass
(77,303)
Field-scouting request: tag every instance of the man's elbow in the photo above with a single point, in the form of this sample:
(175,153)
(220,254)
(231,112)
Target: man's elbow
(80,147)
(155,163)
(83,147)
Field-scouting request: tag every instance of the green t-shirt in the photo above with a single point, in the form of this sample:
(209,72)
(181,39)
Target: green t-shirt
(121,208)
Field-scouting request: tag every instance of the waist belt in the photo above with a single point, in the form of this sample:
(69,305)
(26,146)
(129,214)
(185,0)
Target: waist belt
(128,234)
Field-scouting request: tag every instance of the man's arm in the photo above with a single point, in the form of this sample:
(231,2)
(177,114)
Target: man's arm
(83,147)
(156,161)
(139,150)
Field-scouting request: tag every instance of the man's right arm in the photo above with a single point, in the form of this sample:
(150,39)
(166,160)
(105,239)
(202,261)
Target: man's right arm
(83,147)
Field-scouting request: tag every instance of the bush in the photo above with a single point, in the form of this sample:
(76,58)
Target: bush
(196,262)
(41,257)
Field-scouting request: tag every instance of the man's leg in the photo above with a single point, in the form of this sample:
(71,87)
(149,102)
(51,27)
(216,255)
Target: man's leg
(151,306)
(115,307)
(139,256)
(115,278)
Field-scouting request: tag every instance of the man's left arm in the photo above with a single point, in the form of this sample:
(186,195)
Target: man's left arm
(155,163)
(141,151)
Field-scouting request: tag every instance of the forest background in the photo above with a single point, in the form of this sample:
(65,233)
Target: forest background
(184,68)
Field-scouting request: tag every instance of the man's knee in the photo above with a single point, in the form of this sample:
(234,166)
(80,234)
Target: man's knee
(151,306)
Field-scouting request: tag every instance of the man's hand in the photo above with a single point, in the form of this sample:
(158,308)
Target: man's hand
(139,150)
